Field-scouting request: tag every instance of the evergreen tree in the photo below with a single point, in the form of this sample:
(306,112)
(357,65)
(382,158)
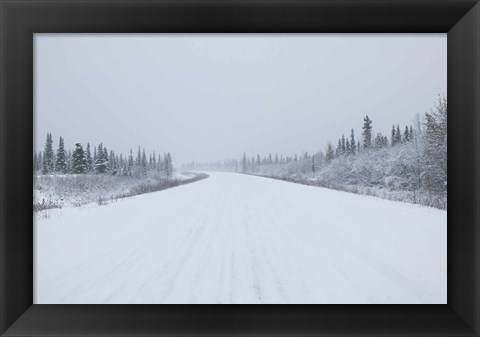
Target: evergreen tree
(406,135)
(244,163)
(394,136)
(380,140)
(411,133)
(139,157)
(144,163)
(40,160)
(112,163)
(353,145)
(89,159)
(69,161)
(338,150)
(358,146)
(435,151)
(398,135)
(367,133)
(48,156)
(44,166)
(35,161)
(329,153)
(314,165)
(79,163)
(101,164)
(343,144)
(105,158)
(348,149)
(61,158)
(168,165)
(130,164)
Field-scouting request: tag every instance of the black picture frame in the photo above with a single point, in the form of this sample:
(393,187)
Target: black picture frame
(20,19)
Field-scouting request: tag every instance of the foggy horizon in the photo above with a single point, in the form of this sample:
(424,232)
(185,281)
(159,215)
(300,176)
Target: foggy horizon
(212,97)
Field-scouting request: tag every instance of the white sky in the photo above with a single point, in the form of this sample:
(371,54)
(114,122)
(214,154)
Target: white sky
(208,97)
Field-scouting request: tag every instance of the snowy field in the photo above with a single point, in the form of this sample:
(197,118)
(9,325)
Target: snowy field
(234,238)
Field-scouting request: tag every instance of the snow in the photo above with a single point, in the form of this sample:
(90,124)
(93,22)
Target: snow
(234,238)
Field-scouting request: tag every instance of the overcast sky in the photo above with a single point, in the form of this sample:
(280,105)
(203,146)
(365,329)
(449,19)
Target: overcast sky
(212,97)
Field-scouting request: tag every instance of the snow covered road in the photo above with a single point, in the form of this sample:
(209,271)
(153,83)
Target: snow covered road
(235,238)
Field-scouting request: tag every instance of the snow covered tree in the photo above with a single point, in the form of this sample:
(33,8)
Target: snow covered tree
(380,141)
(168,165)
(394,136)
(353,145)
(61,158)
(406,135)
(79,162)
(338,150)
(367,132)
(35,162)
(344,148)
(101,164)
(244,163)
(436,147)
(398,135)
(48,156)
(88,157)
(138,161)
(329,153)
(144,163)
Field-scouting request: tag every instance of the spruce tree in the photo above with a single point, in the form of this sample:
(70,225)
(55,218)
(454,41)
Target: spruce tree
(144,163)
(48,156)
(329,153)
(44,165)
(61,158)
(338,150)
(367,133)
(101,164)
(353,145)
(139,157)
(69,161)
(35,162)
(79,162)
(244,163)
(343,144)
(394,136)
(168,165)
(88,156)
(40,160)
(398,135)
(406,135)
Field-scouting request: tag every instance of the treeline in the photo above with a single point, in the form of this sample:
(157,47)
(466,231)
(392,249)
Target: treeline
(102,161)
(409,166)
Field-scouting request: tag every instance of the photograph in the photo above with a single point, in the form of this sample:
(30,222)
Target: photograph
(240,168)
